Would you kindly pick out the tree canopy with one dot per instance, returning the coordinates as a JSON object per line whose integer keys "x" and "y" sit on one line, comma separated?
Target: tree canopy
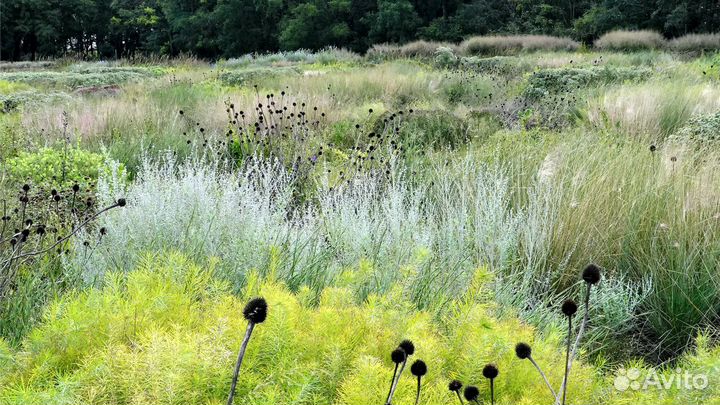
{"x": 224, "y": 28}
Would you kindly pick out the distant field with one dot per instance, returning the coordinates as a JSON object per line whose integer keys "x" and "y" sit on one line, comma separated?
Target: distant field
{"x": 446, "y": 193}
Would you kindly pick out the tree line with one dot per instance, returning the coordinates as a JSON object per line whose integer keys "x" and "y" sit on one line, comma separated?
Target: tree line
{"x": 212, "y": 29}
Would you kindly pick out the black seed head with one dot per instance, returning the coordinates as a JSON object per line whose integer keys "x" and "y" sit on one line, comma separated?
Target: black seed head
{"x": 490, "y": 371}
{"x": 523, "y": 350}
{"x": 256, "y": 310}
{"x": 569, "y": 308}
{"x": 471, "y": 393}
{"x": 103, "y": 231}
{"x": 408, "y": 347}
{"x": 398, "y": 355}
{"x": 121, "y": 202}
{"x": 591, "y": 274}
{"x": 76, "y": 188}
{"x": 454, "y": 385}
{"x": 418, "y": 368}
{"x": 26, "y": 187}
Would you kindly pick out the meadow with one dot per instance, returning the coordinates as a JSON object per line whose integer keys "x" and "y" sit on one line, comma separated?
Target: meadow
{"x": 450, "y": 194}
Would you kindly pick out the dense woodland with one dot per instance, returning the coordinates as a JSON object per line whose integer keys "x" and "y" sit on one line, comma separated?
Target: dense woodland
{"x": 211, "y": 29}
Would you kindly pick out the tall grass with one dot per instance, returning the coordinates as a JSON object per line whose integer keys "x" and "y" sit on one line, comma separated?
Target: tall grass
{"x": 695, "y": 43}
{"x": 630, "y": 41}
{"x": 510, "y": 45}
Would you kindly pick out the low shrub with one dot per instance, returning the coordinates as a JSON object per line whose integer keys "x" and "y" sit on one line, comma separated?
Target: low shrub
{"x": 168, "y": 333}
{"x": 511, "y": 45}
{"x": 630, "y": 41}
{"x": 72, "y": 80}
{"x": 253, "y": 76}
{"x": 554, "y": 81}
{"x": 445, "y": 58}
{"x": 50, "y": 167}
{"x": 700, "y": 129}
{"x": 695, "y": 43}
{"x": 13, "y": 101}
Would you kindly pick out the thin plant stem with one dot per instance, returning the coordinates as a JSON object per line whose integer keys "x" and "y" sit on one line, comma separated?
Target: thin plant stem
{"x": 417, "y": 397}
{"x": 547, "y": 382}
{"x": 567, "y": 360}
{"x": 248, "y": 332}
{"x": 392, "y": 382}
{"x": 583, "y": 325}
{"x": 492, "y": 391}
{"x": 395, "y": 383}
{"x": 460, "y": 398}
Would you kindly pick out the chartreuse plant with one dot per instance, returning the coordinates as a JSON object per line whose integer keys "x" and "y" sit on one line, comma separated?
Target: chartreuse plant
{"x": 58, "y": 167}
{"x": 168, "y": 333}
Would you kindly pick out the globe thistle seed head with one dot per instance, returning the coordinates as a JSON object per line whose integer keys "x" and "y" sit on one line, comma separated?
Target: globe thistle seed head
{"x": 471, "y": 393}
{"x": 256, "y": 310}
{"x": 523, "y": 350}
{"x": 455, "y": 386}
{"x": 408, "y": 346}
{"x": 569, "y": 308}
{"x": 418, "y": 368}
{"x": 591, "y": 274}
{"x": 398, "y": 355}
{"x": 490, "y": 371}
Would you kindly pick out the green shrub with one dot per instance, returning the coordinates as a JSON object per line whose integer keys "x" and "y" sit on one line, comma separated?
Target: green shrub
{"x": 554, "y": 81}
{"x": 72, "y": 80}
{"x": 252, "y": 76}
{"x": 445, "y": 58}
{"x": 703, "y": 128}
{"x": 10, "y": 102}
{"x": 630, "y": 41}
{"x": 51, "y": 167}
{"x": 167, "y": 333}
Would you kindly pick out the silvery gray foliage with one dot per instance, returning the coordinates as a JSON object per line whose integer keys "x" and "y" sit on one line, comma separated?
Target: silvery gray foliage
{"x": 429, "y": 236}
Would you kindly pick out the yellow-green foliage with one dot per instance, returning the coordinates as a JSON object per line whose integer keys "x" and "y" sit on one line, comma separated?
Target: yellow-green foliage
{"x": 167, "y": 333}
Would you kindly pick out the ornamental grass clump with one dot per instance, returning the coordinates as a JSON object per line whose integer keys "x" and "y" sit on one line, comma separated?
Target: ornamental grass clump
{"x": 255, "y": 312}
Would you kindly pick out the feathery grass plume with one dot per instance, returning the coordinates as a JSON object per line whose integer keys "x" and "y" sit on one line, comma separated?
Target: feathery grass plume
{"x": 408, "y": 349}
{"x": 455, "y": 386}
{"x": 398, "y": 356}
{"x": 255, "y": 312}
{"x": 524, "y": 351}
{"x": 418, "y": 369}
{"x": 591, "y": 275}
{"x": 472, "y": 393}
{"x": 490, "y": 371}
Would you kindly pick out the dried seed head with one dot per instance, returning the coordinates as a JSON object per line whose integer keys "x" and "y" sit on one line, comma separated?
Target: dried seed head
{"x": 454, "y": 385}
{"x": 256, "y": 310}
{"x": 471, "y": 393}
{"x": 398, "y": 355}
{"x": 569, "y": 308}
{"x": 490, "y": 371}
{"x": 591, "y": 274}
{"x": 121, "y": 202}
{"x": 408, "y": 347}
{"x": 523, "y": 350}
{"x": 418, "y": 368}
